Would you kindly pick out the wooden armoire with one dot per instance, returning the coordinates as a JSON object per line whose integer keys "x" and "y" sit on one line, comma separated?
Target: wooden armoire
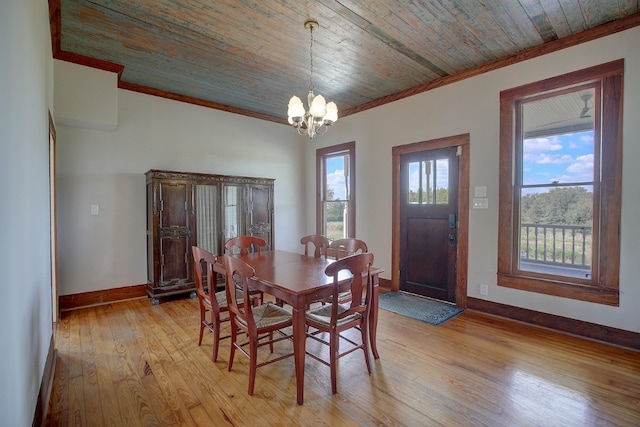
{"x": 195, "y": 209}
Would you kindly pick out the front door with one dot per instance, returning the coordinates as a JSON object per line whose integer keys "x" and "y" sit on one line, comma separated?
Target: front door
{"x": 428, "y": 222}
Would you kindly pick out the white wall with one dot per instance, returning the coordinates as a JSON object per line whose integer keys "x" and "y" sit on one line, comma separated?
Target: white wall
{"x": 472, "y": 106}
{"x": 26, "y": 304}
{"x": 85, "y": 97}
{"x": 106, "y": 168}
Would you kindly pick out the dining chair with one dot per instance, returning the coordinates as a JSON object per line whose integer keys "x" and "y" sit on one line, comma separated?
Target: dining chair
{"x": 341, "y": 248}
{"x": 318, "y": 241}
{"x": 257, "y": 322}
{"x": 336, "y": 318}
{"x": 245, "y": 243}
{"x": 209, "y": 300}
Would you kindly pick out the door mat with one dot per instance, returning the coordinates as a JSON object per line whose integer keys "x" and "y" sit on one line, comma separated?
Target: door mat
{"x": 426, "y": 310}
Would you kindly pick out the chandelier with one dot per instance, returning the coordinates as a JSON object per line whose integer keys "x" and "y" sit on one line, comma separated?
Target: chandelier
{"x": 321, "y": 115}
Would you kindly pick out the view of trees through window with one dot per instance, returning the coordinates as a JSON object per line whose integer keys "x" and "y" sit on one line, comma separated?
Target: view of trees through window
{"x": 560, "y": 181}
{"x": 556, "y": 187}
{"x": 556, "y": 227}
{"x": 428, "y": 182}
{"x": 336, "y": 191}
{"x": 571, "y": 206}
{"x": 334, "y": 215}
{"x": 442, "y": 196}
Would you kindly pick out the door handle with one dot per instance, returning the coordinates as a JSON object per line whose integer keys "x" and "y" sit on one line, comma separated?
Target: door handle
{"x": 452, "y": 239}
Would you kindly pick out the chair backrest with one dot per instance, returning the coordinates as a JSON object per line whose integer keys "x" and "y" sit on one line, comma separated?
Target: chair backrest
{"x": 320, "y": 242}
{"x": 238, "y": 275}
{"x": 359, "y": 266}
{"x": 203, "y": 262}
{"x": 245, "y": 243}
{"x": 343, "y": 247}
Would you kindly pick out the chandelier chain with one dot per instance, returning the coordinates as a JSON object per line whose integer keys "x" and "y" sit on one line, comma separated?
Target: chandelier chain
{"x": 311, "y": 60}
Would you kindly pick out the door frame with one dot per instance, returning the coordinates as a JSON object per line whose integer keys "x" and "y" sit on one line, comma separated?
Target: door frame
{"x": 463, "y": 141}
{"x": 53, "y": 221}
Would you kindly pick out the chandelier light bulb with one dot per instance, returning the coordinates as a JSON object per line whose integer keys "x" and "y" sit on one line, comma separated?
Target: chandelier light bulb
{"x": 318, "y": 108}
{"x": 332, "y": 113}
{"x": 296, "y": 110}
{"x": 321, "y": 114}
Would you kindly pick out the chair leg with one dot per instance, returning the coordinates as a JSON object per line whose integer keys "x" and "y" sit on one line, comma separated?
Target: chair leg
{"x": 216, "y": 341}
{"x": 232, "y": 353}
{"x": 333, "y": 350}
{"x": 365, "y": 342}
{"x": 253, "y": 362}
{"x": 271, "y": 343}
{"x": 201, "y": 331}
{"x": 203, "y": 320}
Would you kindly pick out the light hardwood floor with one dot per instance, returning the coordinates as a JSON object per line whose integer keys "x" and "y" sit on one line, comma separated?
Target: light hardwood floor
{"x": 134, "y": 364}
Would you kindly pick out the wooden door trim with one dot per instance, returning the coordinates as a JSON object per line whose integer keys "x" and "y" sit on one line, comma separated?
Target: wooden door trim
{"x": 53, "y": 220}
{"x": 463, "y": 141}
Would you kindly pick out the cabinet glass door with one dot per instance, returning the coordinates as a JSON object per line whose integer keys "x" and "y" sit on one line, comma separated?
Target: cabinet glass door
{"x": 207, "y": 218}
{"x": 233, "y": 221}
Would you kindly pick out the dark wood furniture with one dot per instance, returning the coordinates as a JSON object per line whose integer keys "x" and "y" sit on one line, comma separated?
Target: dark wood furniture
{"x": 319, "y": 242}
{"x": 299, "y": 280}
{"x": 342, "y": 247}
{"x": 194, "y": 209}
{"x": 257, "y": 323}
{"x": 336, "y": 318}
{"x": 211, "y": 303}
{"x": 244, "y": 244}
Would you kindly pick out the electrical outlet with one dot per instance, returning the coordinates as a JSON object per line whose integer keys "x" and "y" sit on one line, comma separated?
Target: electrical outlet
{"x": 484, "y": 289}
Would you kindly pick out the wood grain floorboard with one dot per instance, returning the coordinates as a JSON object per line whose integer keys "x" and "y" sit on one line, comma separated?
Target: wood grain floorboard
{"x": 135, "y": 364}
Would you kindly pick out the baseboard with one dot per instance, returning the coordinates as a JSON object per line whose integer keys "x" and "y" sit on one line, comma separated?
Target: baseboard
{"x": 563, "y": 324}
{"x": 384, "y": 283}
{"x": 45, "y": 386}
{"x": 105, "y": 296}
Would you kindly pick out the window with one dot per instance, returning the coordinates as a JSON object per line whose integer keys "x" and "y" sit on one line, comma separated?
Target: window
{"x": 428, "y": 182}
{"x": 560, "y": 179}
{"x": 336, "y": 195}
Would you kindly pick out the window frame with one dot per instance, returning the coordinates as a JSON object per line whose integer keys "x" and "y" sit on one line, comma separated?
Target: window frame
{"x": 322, "y": 154}
{"x": 603, "y": 286}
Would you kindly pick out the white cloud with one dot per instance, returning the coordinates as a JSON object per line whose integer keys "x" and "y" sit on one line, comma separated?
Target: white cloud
{"x": 336, "y": 182}
{"x": 582, "y": 165}
{"x": 546, "y": 158}
{"x": 537, "y": 145}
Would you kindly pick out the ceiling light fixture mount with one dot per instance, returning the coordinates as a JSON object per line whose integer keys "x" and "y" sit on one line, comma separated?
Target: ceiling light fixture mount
{"x": 321, "y": 115}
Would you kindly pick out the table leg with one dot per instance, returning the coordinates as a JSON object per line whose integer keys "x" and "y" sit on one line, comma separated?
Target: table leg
{"x": 299, "y": 341}
{"x": 373, "y": 317}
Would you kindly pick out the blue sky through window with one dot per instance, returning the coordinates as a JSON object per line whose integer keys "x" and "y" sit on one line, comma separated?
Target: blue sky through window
{"x": 561, "y": 158}
{"x": 335, "y": 176}
{"x": 441, "y": 178}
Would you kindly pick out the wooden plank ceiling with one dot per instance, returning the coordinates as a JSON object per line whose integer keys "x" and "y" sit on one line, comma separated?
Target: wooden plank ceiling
{"x": 250, "y": 57}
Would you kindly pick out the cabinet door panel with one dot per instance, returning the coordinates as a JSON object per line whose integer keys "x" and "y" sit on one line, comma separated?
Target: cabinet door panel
{"x": 173, "y": 204}
{"x": 175, "y": 234}
{"x": 259, "y": 212}
{"x": 174, "y": 269}
{"x": 260, "y": 205}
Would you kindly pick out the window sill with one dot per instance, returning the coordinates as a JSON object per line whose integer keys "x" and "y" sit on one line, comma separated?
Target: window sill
{"x": 598, "y": 295}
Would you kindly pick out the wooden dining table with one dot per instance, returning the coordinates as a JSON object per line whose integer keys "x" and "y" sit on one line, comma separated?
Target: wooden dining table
{"x": 300, "y": 280}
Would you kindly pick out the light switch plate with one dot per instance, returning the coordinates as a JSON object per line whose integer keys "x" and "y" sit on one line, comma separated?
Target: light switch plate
{"x": 95, "y": 209}
{"x": 480, "y": 191}
{"x": 480, "y": 203}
